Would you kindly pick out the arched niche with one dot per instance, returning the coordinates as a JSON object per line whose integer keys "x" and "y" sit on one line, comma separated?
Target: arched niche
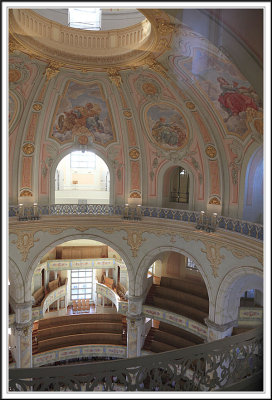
{"x": 231, "y": 289}
{"x": 109, "y": 176}
{"x": 168, "y": 182}
{"x": 253, "y": 189}
{"x": 65, "y": 238}
{"x": 155, "y": 254}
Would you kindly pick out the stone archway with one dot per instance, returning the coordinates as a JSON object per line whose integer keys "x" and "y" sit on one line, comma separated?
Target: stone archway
{"x": 234, "y": 284}
{"x": 17, "y": 284}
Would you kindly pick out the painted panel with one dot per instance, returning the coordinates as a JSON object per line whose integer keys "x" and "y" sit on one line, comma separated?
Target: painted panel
{"x": 83, "y": 110}
{"x": 135, "y": 175}
{"x": 26, "y": 172}
{"x": 214, "y": 178}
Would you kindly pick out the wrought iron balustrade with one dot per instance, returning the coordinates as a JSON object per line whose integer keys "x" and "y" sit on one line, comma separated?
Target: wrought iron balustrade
{"x": 231, "y": 224}
{"x": 205, "y": 367}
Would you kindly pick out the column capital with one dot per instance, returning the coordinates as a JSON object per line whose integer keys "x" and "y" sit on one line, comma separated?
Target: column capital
{"x": 135, "y": 320}
{"x": 220, "y": 328}
{"x": 23, "y": 329}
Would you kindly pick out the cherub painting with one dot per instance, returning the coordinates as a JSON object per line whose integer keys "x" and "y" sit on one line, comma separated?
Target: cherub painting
{"x": 83, "y": 110}
{"x": 167, "y": 127}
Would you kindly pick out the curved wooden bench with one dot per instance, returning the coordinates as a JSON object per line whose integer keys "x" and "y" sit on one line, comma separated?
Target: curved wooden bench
{"x": 181, "y": 309}
{"x": 183, "y": 297}
{"x": 76, "y": 319}
{"x": 180, "y": 332}
{"x": 172, "y": 340}
{"x": 193, "y": 287}
{"x": 73, "y": 329}
{"x": 80, "y": 339}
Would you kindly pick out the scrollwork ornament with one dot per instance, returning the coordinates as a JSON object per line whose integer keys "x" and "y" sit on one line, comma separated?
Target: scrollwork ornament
{"x": 114, "y": 76}
{"x": 156, "y": 66}
{"x": 165, "y": 27}
{"x": 25, "y": 240}
{"x": 134, "y": 240}
{"x": 52, "y": 70}
{"x": 23, "y": 330}
{"x": 213, "y": 255}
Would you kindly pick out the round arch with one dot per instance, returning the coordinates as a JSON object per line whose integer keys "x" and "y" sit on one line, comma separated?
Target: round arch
{"x": 65, "y": 238}
{"x": 17, "y": 285}
{"x": 64, "y": 154}
{"x": 165, "y": 172}
{"x": 153, "y": 255}
{"x": 233, "y": 286}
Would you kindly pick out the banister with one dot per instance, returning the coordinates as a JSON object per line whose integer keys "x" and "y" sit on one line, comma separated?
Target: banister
{"x": 205, "y": 367}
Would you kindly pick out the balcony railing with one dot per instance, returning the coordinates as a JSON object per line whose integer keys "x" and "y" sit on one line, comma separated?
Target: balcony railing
{"x": 206, "y": 367}
{"x": 231, "y": 224}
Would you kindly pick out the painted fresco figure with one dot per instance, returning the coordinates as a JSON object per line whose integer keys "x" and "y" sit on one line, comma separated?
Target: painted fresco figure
{"x": 235, "y": 99}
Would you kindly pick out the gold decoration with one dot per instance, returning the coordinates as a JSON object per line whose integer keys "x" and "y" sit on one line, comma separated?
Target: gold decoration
{"x": 127, "y": 114}
{"x": 211, "y": 151}
{"x": 163, "y": 43}
{"x": 52, "y": 70}
{"x": 134, "y": 154}
{"x": 83, "y": 139}
{"x": 24, "y": 242}
{"x": 165, "y": 27}
{"x": 190, "y": 105}
{"x": 156, "y": 66}
{"x": 214, "y": 200}
{"x": 134, "y": 240}
{"x": 213, "y": 254}
{"x": 37, "y": 107}
{"x": 14, "y": 75}
{"x": 149, "y": 88}
{"x": 28, "y": 148}
{"x": 258, "y": 124}
{"x": 135, "y": 195}
{"x": 26, "y": 193}
{"x": 114, "y": 76}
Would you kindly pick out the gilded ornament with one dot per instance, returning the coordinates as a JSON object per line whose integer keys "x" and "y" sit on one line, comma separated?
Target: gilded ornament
{"x": 163, "y": 43}
{"x": 156, "y": 66}
{"x": 214, "y": 200}
{"x": 26, "y": 193}
{"x": 83, "y": 139}
{"x": 149, "y": 88}
{"x": 127, "y": 114}
{"x": 211, "y": 151}
{"x": 213, "y": 255}
{"x": 114, "y": 76}
{"x": 134, "y": 240}
{"x": 52, "y": 70}
{"x": 14, "y": 75}
{"x": 37, "y": 107}
{"x": 28, "y": 148}
{"x": 24, "y": 242}
{"x": 134, "y": 154}
{"x": 135, "y": 195}
{"x": 258, "y": 125}
{"x": 190, "y": 105}
{"x": 165, "y": 27}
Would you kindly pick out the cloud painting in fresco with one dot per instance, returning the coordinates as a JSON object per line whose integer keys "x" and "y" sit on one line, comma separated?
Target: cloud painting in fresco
{"x": 167, "y": 127}
{"x": 83, "y": 110}
{"x": 226, "y": 87}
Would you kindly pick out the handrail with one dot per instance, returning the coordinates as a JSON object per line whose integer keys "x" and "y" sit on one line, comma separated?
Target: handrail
{"x": 205, "y": 367}
{"x": 242, "y": 227}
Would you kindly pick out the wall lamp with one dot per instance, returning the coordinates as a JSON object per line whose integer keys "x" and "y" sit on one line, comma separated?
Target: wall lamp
{"x": 207, "y": 222}
{"x": 31, "y": 213}
{"x": 132, "y": 213}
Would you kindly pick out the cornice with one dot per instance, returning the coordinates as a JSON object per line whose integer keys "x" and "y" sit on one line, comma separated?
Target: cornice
{"x": 48, "y": 43}
{"x": 214, "y": 242}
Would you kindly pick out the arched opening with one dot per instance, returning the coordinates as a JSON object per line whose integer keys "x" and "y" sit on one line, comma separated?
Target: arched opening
{"x": 253, "y": 192}
{"x": 82, "y": 178}
{"x": 177, "y": 188}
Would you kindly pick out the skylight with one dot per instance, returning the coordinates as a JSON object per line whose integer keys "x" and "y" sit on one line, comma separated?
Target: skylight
{"x": 85, "y": 18}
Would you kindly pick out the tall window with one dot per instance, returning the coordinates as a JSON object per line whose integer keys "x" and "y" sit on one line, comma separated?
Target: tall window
{"x": 191, "y": 265}
{"x": 180, "y": 186}
{"x": 82, "y": 160}
{"x": 85, "y": 18}
{"x": 81, "y": 284}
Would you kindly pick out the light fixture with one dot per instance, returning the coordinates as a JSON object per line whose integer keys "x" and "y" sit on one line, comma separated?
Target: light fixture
{"x": 207, "y": 222}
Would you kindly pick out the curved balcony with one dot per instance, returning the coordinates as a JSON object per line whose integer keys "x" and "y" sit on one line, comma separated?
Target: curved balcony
{"x": 234, "y": 363}
{"x": 244, "y": 228}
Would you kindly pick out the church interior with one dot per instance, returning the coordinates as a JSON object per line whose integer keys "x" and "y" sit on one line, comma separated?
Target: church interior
{"x": 135, "y": 185}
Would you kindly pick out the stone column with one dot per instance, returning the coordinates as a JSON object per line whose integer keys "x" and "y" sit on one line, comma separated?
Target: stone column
{"x": 216, "y": 331}
{"x": 22, "y": 331}
{"x": 135, "y": 326}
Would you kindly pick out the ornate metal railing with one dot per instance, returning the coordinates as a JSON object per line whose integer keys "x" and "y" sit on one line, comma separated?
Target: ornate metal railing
{"x": 231, "y": 224}
{"x": 206, "y": 367}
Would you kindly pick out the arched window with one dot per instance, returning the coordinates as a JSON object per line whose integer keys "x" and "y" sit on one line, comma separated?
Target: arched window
{"x": 82, "y": 178}
{"x": 179, "y": 186}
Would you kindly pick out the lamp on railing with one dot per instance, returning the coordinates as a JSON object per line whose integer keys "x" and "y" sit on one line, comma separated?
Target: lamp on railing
{"x": 35, "y": 212}
{"x": 126, "y": 212}
{"x": 21, "y": 213}
{"x": 207, "y": 223}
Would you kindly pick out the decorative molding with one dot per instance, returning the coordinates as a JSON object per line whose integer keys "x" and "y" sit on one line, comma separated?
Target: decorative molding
{"x": 127, "y": 113}
{"x": 220, "y": 328}
{"x": 114, "y": 76}
{"x": 134, "y": 154}
{"x": 37, "y": 107}
{"x": 26, "y": 193}
{"x": 156, "y": 66}
{"x": 214, "y": 200}
{"x": 213, "y": 255}
{"x": 135, "y": 195}
{"x": 211, "y": 151}
{"x": 134, "y": 240}
{"x": 190, "y": 105}
{"x": 165, "y": 27}
{"x": 25, "y": 240}
{"x": 28, "y": 148}
{"x": 52, "y": 70}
